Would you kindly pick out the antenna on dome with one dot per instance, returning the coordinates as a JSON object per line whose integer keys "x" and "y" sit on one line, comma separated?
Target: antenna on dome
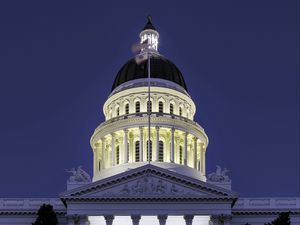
{"x": 144, "y": 50}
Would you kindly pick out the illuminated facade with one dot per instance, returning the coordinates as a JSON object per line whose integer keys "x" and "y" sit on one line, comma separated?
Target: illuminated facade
{"x": 156, "y": 176}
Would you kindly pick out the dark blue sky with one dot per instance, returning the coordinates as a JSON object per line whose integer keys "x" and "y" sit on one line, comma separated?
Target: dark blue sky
{"x": 240, "y": 60}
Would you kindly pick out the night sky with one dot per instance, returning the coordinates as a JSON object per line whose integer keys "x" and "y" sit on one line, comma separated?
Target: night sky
{"x": 240, "y": 60}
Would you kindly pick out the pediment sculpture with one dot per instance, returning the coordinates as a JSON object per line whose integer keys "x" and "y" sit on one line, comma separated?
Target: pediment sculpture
{"x": 148, "y": 186}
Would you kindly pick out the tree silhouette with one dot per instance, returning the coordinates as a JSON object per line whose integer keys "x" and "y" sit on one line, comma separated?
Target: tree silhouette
{"x": 282, "y": 219}
{"x": 46, "y": 216}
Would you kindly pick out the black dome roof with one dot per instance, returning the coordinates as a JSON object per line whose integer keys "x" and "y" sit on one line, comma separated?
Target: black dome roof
{"x": 160, "y": 68}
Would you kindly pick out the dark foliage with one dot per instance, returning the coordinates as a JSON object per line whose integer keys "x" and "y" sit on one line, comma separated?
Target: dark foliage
{"x": 282, "y": 219}
{"x": 46, "y": 216}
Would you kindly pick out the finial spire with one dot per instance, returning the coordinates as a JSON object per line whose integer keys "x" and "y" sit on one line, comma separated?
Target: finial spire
{"x": 149, "y": 25}
{"x": 149, "y": 19}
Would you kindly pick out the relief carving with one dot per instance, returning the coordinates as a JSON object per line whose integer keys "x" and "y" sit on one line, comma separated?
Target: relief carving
{"x": 149, "y": 186}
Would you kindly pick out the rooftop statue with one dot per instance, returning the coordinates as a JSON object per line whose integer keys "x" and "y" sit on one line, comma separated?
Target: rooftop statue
{"x": 219, "y": 176}
{"x": 78, "y": 175}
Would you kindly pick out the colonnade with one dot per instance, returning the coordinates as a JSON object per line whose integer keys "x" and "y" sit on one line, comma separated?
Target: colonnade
{"x": 162, "y": 219}
{"x": 130, "y": 145}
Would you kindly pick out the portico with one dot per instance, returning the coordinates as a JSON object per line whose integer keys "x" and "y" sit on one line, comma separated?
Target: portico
{"x": 148, "y": 191}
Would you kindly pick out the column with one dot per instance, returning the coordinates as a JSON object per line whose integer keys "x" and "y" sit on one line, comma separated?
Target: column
{"x": 83, "y": 220}
{"x": 214, "y": 220}
{"x": 188, "y": 219}
{"x": 162, "y": 219}
{"x": 157, "y": 143}
{"x": 72, "y": 220}
{"x": 141, "y": 145}
{"x": 102, "y": 153}
{"x": 95, "y": 151}
{"x": 202, "y": 164}
{"x": 225, "y": 219}
{"x": 172, "y": 144}
{"x": 109, "y": 219}
{"x": 195, "y": 153}
{"x": 113, "y": 151}
{"x": 185, "y": 149}
{"x": 135, "y": 219}
{"x": 126, "y": 152}
{"x": 131, "y": 147}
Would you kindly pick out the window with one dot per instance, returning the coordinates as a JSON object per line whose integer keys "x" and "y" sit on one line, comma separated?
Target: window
{"x": 137, "y": 107}
{"x": 171, "y": 108}
{"x": 180, "y": 111}
{"x": 161, "y": 151}
{"x": 99, "y": 165}
{"x": 127, "y": 108}
{"x": 118, "y": 111}
{"x": 148, "y": 150}
{"x": 160, "y": 107}
{"x": 149, "y": 106}
{"x": 180, "y": 154}
{"x": 118, "y": 154}
{"x": 137, "y": 151}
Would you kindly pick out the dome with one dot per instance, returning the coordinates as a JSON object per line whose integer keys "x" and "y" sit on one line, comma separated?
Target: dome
{"x": 161, "y": 68}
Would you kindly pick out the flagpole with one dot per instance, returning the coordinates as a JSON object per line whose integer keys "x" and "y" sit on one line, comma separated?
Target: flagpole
{"x": 149, "y": 101}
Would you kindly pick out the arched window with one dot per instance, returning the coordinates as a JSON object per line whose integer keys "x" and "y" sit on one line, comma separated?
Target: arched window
{"x": 149, "y": 106}
{"x": 160, "y": 107}
{"x": 118, "y": 154}
{"x": 180, "y": 111}
{"x": 127, "y": 108}
{"x": 148, "y": 150}
{"x": 171, "y": 108}
{"x": 118, "y": 111}
{"x": 137, "y": 151}
{"x": 161, "y": 151}
{"x": 99, "y": 165}
{"x": 187, "y": 113}
{"x": 137, "y": 107}
{"x": 180, "y": 155}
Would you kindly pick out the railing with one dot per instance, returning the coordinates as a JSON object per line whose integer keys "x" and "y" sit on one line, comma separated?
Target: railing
{"x": 29, "y": 203}
{"x": 267, "y": 203}
{"x": 153, "y": 114}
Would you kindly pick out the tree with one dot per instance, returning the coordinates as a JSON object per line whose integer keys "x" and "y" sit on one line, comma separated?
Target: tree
{"x": 282, "y": 219}
{"x": 46, "y": 216}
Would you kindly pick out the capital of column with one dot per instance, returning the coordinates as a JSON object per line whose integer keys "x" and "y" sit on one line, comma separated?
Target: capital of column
{"x": 97, "y": 144}
{"x": 214, "y": 219}
{"x": 135, "y": 219}
{"x": 188, "y": 219}
{"x": 83, "y": 220}
{"x": 225, "y": 219}
{"x": 162, "y": 219}
{"x": 72, "y": 219}
{"x": 125, "y": 130}
{"x": 157, "y": 128}
{"x": 109, "y": 219}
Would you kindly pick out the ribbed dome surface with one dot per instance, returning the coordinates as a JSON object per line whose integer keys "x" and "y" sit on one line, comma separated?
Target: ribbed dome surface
{"x": 160, "y": 68}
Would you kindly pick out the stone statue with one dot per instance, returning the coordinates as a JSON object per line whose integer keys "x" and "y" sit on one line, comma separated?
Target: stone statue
{"x": 219, "y": 176}
{"x": 78, "y": 175}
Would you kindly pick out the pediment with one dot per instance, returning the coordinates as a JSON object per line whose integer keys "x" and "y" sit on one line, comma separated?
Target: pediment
{"x": 148, "y": 182}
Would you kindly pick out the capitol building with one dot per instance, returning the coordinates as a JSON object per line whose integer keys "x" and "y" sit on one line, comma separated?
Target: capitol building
{"x": 149, "y": 160}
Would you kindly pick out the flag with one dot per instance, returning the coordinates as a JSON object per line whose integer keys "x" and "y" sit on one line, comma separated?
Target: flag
{"x": 138, "y": 47}
{"x": 141, "y": 57}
